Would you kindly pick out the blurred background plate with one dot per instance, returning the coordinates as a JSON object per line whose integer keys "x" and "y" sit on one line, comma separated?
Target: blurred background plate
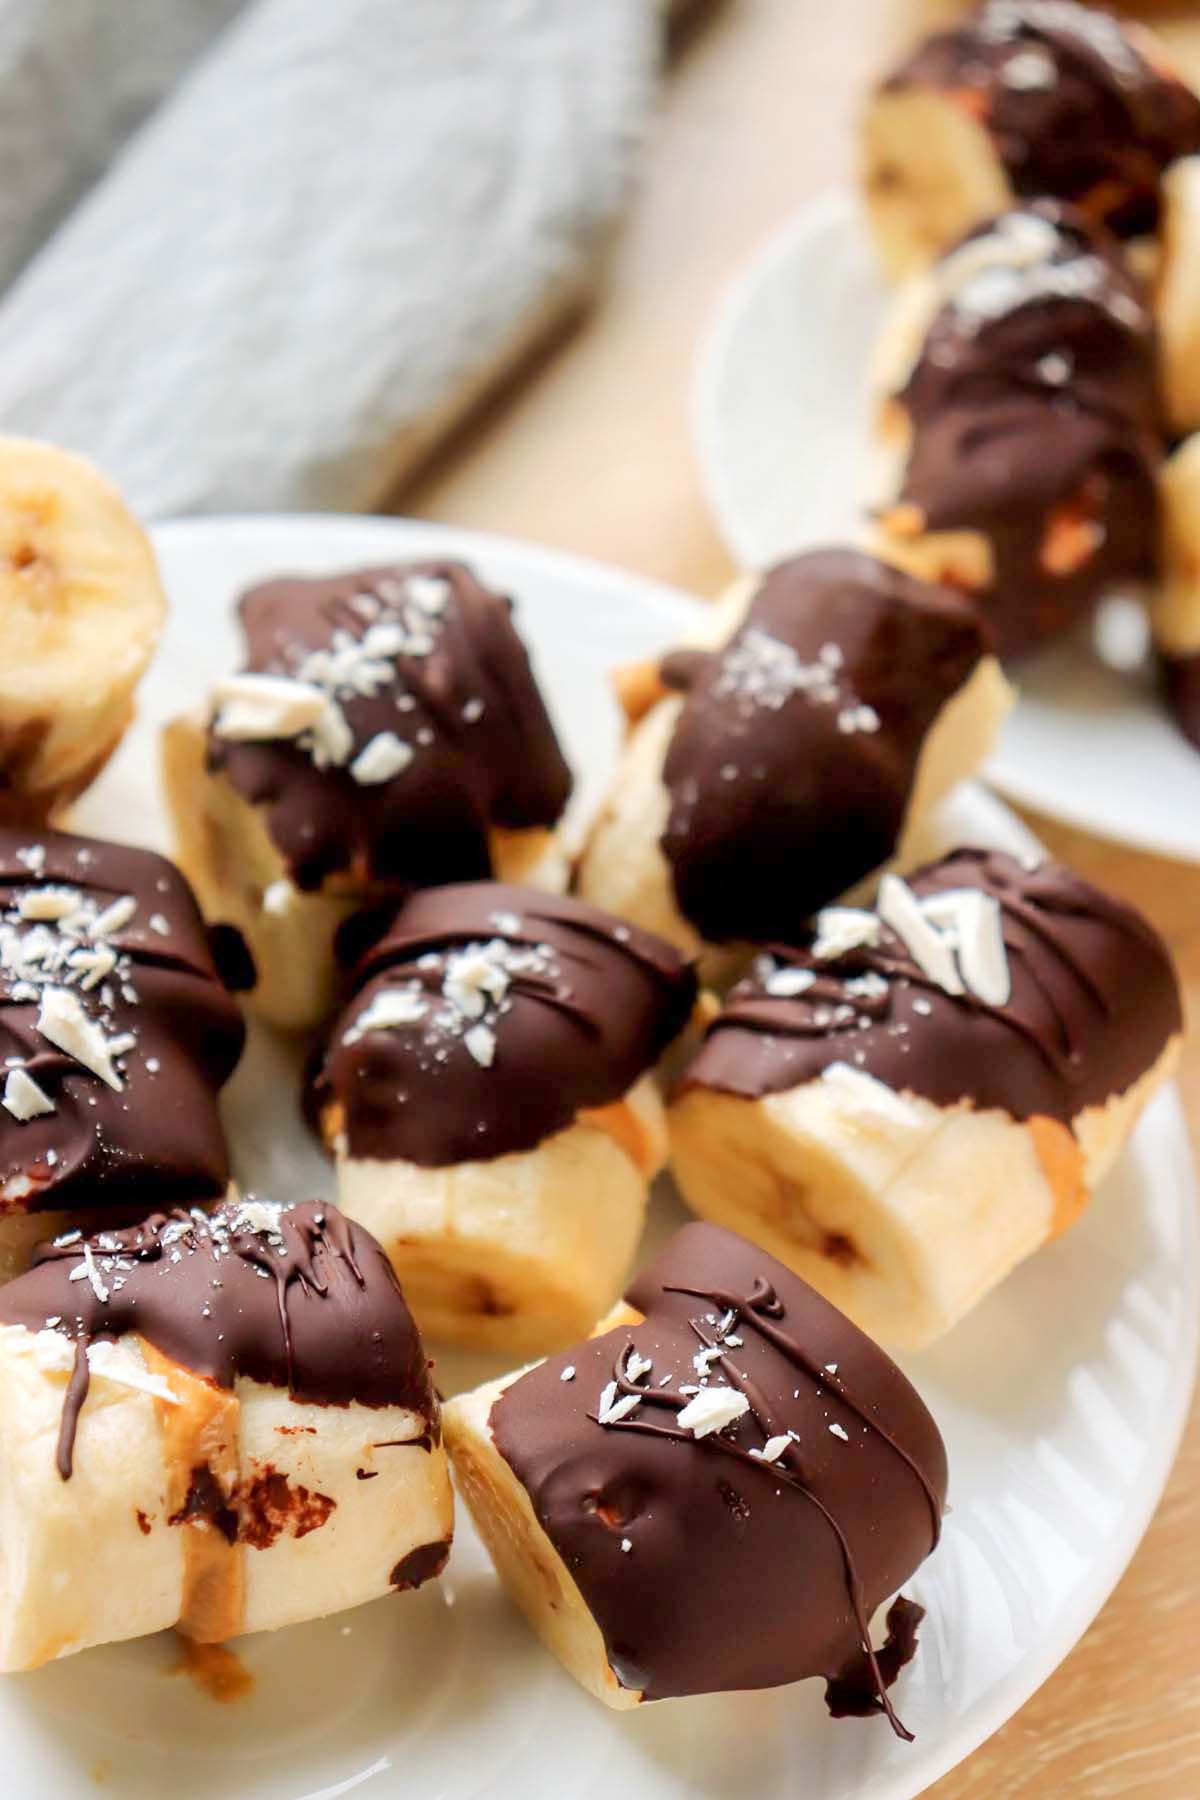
{"x": 1061, "y": 1398}
{"x": 781, "y": 413}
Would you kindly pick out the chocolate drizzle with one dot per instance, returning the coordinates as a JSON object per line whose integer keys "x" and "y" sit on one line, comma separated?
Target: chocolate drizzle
{"x": 1093, "y": 1002}
{"x": 573, "y": 1004}
{"x": 793, "y": 759}
{"x": 1034, "y": 415}
{"x": 460, "y": 696}
{"x": 672, "y": 1538}
{"x": 1075, "y": 107}
{"x": 295, "y": 1297}
{"x": 143, "y": 977}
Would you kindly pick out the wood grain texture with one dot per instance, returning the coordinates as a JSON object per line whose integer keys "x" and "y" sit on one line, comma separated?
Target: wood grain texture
{"x": 593, "y": 453}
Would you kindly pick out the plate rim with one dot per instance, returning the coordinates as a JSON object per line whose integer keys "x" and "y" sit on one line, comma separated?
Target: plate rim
{"x": 838, "y": 205}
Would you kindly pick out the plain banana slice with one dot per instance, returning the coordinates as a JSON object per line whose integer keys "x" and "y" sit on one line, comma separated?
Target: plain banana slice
{"x": 929, "y": 173}
{"x": 625, "y": 868}
{"x": 81, "y": 609}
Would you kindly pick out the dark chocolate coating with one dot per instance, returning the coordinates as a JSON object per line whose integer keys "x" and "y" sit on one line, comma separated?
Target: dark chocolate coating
{"x": 160, "y": 1140}
{"x": 775, "y": 809}
{"x": 739, "y": 1573}
{"x": 1181, "y": 685}
{"x": 328, "y": 1322}
{"x": 575, "y": 1030}
{"x": 1094, "y": 1001}
{"x": 1074, "y": 107}
{"x": 485, "y": 753}
{"x": 1035, "y": 391}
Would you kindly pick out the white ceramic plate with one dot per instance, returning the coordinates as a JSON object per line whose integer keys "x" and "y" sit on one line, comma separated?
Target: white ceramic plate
{"x": 1061, "y": 1401}
{"x": 781, "y": 417}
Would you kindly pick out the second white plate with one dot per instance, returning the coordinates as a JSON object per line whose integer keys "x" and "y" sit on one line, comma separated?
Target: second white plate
{"x": 781, "y": 422}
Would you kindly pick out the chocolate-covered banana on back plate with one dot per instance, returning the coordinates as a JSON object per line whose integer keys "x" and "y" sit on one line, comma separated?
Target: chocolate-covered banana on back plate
{"x": 1017, "y": 428}
{"x": 225, "y": 1424}
{"x": 716, "y": 1491}
{"x": 1022, "y": 99}
{"x": 916, "y": 1097}
{"x": 488, "y": 1093}
{"x": 386, "y": 734}
{"x": 766, "y": 777}
{"x": 116, "y": 1036}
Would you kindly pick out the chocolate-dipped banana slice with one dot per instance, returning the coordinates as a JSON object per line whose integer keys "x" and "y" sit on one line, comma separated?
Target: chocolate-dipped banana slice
{"x": 1175, "y": 614}
{"x": 717, "y": 1492}
{"x": 115, "y": 1033}
{"x": 1024, "y": 98}
{"x": 922, "y": 1095}
{"x": 487, "y": 1091}
{"x": 775, "y": 773}
{"x": 386, "y": 734}
{"x": 1017, "y": 427}
{"x": 223, "y": 1423}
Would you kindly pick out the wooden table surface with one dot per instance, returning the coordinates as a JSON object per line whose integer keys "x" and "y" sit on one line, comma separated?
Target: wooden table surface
{"x": 591, "y": 451}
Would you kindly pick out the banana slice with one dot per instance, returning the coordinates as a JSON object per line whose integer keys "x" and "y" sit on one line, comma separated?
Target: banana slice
{"x": 906, "y": 1110}
{"x": 81, "y": 609}
{"x": 725, "y": 1419}
{"x": 487, "y": 1093}
{"x": 1175, "y": 614}
{"x": 799, "y": 743}
{"x": 180, "y": 1489}
{"x": 929, "y": 173}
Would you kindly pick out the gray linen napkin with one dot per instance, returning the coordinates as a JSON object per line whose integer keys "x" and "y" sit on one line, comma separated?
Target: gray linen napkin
{"x": 342, "y": 225}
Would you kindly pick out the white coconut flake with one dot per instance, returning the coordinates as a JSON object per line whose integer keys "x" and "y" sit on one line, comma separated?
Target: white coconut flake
{"x": 49, "y": 903}
{"x": 773, "y": 1449}
{"x": 253, "y": 707}
{"x": 841, "y": 929}
{"x": 611, "y": 1410}
{"x": 839, "y": 1432}
{"x": 113, "y": 917}
{"x": 23, "y": 1098}
{"x": 785, "y": 984}
{"x": 636, "y": 1366}
{"x": 63, "y": 1023}
{"x": 385, "y": 757}
{"x": 390, "y": 1010}
{"x": 568, "y": 1373}
{"x": 507, "y": 922}
{"x": 712, "y": 1409}
{"x": 902, "y": 911}
{"x": 330, "y": 738}
{"x": 626, "y": 1545}
{"x": 481, "y": 1042}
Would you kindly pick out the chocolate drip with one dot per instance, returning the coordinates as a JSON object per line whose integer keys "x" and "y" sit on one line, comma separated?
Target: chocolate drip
{"x": 462, "y": 698}
{"x": 576, "y": 1003}
{"x": 1074, "y": 106}
{"x": 328, "y": 1322}
{"x": 1093, "y": 1002}
{"x": 158, "y": 1139}
{"x": 791, "y": 765}
{"x": 674, "y": 1540}
{"x": 1034, "y": 414}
